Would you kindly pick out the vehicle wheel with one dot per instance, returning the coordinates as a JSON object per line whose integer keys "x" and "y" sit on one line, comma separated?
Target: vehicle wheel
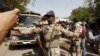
{"x": 11, "y": 47}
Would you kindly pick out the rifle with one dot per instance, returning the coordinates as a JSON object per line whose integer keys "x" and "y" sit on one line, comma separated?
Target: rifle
{"x": 44, "y": 52}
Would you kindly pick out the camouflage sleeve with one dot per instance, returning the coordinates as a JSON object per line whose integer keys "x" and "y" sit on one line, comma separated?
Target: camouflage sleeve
{"x": 69, "y": 33}
{"x": 66, "y": 32}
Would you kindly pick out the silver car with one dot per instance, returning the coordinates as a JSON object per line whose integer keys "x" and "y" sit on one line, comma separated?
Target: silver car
{"x": 21, "y": 33}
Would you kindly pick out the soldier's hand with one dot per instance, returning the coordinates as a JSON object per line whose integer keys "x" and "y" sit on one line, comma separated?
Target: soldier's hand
{"x": 34, "y": 30}
{"x": 59, "y": 28}
{"x": 8, "y": 19}
{"x": 45, "y": 30}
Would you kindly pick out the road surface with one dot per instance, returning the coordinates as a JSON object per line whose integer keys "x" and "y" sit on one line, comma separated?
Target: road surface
{"x": 4, "y": 51}
{"x": 30, "y": 50}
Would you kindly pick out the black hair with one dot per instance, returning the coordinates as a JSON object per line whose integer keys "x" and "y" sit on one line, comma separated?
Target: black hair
{"x": 50, "y": 13}
{"x": 97, "y": 21}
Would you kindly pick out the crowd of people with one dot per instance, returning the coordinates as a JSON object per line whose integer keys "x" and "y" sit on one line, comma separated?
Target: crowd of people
{"x": 79, "y": 33}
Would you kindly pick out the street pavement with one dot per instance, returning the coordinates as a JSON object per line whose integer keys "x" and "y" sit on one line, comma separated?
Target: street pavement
{"x": 4, "y": 51}
{"x": 29, "y": 50}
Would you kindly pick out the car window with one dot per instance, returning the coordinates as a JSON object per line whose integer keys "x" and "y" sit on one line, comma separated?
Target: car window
{"x": 28, "y": 20}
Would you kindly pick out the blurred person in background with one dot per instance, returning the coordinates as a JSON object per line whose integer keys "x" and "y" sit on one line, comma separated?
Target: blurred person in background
{"x": 94, "y": 34}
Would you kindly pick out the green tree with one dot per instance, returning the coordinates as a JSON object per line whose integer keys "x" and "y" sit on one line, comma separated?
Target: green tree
{"x": 21, "y": 4}
{"x": 97, "y": 9}
{"x": 81, "y": 14}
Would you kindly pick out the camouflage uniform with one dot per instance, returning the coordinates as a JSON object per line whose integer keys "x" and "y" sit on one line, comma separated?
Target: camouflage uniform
{"x": 75, "y": 48}
{"x": 77, "y": 40}
{"x": 52, "y": 41}
{"x": 50, "y": 34}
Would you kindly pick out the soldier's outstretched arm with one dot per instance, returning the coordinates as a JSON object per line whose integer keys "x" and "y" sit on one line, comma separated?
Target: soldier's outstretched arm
{"x": 67, "y": 32}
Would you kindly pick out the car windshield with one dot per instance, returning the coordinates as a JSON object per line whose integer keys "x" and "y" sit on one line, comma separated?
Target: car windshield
{"x": 27, "y": 20}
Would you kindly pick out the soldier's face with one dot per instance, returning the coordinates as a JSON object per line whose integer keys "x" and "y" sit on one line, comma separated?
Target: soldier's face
{"x": 51, "y": 19}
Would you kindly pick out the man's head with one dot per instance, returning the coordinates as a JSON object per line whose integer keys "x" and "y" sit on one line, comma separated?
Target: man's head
{"x": 50, "y": 15}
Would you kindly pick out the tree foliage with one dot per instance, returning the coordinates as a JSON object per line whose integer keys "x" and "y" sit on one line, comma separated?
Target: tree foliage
{"x": 85, "y": 13}
{"x": 97, "y": 9}
{"x": 81, "y": 14}
{"x": 21, "y": 4}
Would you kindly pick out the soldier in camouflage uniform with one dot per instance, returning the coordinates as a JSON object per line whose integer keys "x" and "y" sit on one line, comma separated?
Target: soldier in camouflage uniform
{"x": 51, "y": 35}
{"x": 75, "y": 39}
